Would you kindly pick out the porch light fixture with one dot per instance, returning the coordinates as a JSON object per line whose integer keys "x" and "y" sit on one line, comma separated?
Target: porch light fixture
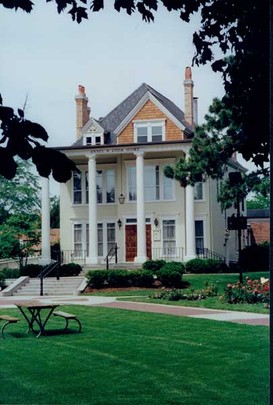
{"x": 156, "y": 222}
{"x": 121, "y": 199}
{"x": 119, "y": 223}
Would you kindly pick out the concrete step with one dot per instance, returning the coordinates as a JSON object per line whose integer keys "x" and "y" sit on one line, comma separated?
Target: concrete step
{"x": 51, "y": 286}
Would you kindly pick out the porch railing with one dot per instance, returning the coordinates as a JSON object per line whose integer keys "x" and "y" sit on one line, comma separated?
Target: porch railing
{"x": 168, "y": 254}
{"x": 73, "y": 256}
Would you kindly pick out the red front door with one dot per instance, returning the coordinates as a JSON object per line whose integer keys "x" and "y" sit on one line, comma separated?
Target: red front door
{"x": 131, "y": 242}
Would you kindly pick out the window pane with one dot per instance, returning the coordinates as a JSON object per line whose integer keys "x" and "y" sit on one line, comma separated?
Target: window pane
{"x": 149, "y": 183}
{"x": 77, "y": 239}
{"x": 100, "y": 239}
{"x": 142, "y": 134}
{"x": 156, "y": 133}
{"x": 111, "y": 236}
{"x": 167, "y": 188}
{"x": 132, "y": 183}
{"x": 86, "y": 188}
{"x": 169, "y": 242}
{"x": 99, "y": 186}
{"x": 77, "y": 188}
{"x": 199, "y": 235}
{"x": 198, "y": 191}
{"x": 110, "y": 186}
{"x": 87, "y": 239}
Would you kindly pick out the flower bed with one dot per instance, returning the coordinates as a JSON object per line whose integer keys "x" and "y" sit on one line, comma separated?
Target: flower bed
{"x": 250, "y": 292}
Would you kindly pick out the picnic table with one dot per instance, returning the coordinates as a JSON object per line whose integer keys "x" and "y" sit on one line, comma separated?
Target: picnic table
{"x": 32, "y": 312}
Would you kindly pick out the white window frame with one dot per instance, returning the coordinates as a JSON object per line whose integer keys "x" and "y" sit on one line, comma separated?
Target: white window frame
{"x": 203, "y": 219}
{"x": 91, "y": 139}
{"x": 84, "y": 186}
{"x": 105, "y": 242}
{"x": 202, "y": 185}
{"x": 149, "y": 124}
{"x": 161, "y": 184}
{"x": 174, "y": 253}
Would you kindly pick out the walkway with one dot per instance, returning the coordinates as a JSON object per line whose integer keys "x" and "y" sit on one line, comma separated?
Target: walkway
{"x": 111, "y": 302}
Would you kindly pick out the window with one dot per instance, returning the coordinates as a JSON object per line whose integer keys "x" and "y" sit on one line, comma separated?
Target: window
{"x": 78, "y": 239}
{"x": 94, "y": 139}
{"x": 105, "y": 187}
{"x": 199, "y": 235}
{"x": 149, "y": 131}
{"x": 77, "y": 188}
{"x": 198, "y": 191}
{"x": 156, "y": 186}
{"x": 106, "y": 238}
{"x": 169, "y": 242}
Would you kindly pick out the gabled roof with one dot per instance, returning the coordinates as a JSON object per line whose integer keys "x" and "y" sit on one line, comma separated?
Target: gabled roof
{"x": 115, "y": 117}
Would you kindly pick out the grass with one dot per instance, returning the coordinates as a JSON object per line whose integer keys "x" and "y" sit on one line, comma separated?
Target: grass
{"x": 131, "y": 358}
{"x": 197, "y": 281}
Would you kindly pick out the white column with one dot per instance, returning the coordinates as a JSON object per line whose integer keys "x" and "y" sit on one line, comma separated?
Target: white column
{"x": 190, "y": 224}
{"x": 46, "y": 255}
{"x": 141, "y": 226}
{"x": 92, "y": 255}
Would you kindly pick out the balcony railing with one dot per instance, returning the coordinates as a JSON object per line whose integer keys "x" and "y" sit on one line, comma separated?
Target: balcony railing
{"x": 168, "y": 254}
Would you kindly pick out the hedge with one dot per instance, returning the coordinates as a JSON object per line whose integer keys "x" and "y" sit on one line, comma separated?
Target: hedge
{"x": 199, "y": 266}
{"x": 119, "y": 278}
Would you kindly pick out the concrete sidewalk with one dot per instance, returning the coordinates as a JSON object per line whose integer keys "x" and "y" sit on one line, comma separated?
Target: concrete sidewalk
{"x": 111, "y": 302}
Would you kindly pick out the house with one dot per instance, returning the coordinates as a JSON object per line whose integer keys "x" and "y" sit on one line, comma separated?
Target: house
{"x": 258, "y": 222}
{"x": 120, "y": 196}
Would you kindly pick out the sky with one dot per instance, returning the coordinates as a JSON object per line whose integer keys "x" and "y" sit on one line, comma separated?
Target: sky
{"x": 45, "y": 56}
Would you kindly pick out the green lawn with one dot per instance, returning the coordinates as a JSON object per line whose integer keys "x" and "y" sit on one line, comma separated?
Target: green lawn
{"x": 132, "y": 358}
{"x": 197, "y": 281}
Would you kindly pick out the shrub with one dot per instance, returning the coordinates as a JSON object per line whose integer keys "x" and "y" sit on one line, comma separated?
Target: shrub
{"x": 118, "y": 278}
{"x": 31, "y": 270}
{"x": 70, "y": 269}
{"x": 169, "y": 278}
{"x": 2, "y": 281}
{"x": 255, "y": 257}
{"x": 153, "y": 265}
{"x": 10, "y": 273}
{"x": 142, "y": 278}
{"x": 200, "y": 266}
{"x": 96, "y": 278}
{"x": 174, "y": 266}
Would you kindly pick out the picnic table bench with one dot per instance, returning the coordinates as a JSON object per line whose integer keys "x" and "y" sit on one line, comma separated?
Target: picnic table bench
{"x": 67, "y": 318}
{"x": 8, "y": 319}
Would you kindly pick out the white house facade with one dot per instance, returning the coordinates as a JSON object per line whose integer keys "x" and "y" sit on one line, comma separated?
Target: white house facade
{"x": 120, "y": 196}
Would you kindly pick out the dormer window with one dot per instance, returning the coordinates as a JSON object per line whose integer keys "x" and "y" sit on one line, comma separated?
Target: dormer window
{"x": 95, "y": 139}
{"x": 149, "y": 131}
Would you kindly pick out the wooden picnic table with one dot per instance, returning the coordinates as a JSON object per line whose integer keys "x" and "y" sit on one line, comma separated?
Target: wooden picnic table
{"x": 32, "y": 312}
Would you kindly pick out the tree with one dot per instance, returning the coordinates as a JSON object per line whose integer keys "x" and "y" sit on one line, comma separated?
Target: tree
{"x": 239, "y": 29}
{"x": 18, "y": 238}
{"x": 55, "y": 212}
{"x": 22, "y": 194}
{"x": 261, "y": 198}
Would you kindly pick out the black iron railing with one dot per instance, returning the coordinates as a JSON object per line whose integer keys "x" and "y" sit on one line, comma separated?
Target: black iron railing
{"x": 204, "y": 253}
{"x": 48, "y": 269}
{"x": 113, "y": 252}
{"x": 73, "y": 256}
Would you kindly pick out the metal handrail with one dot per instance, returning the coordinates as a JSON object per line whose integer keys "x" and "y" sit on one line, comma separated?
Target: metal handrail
{"x": 112, "y": 252}
{"x": 48, "y": 269}
{"x": 209, "y": 254}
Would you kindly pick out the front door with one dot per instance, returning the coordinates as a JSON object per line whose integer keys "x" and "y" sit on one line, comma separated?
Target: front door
{"x": 131, "y": 242}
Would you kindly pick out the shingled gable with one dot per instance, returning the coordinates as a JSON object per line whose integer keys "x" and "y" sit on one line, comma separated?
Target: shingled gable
{"x": 114, "y": 120}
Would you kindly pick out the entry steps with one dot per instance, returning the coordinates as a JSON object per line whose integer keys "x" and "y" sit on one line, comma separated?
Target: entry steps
{"x": 51, "y": 286}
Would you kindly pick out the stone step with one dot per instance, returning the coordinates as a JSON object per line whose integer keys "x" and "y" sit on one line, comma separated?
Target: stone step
{"x": 51, "y": 286}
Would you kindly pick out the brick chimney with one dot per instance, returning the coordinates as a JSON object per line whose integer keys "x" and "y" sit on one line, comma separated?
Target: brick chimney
{"x": 82, "y": 110}
{"x": 188, "y": 96}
